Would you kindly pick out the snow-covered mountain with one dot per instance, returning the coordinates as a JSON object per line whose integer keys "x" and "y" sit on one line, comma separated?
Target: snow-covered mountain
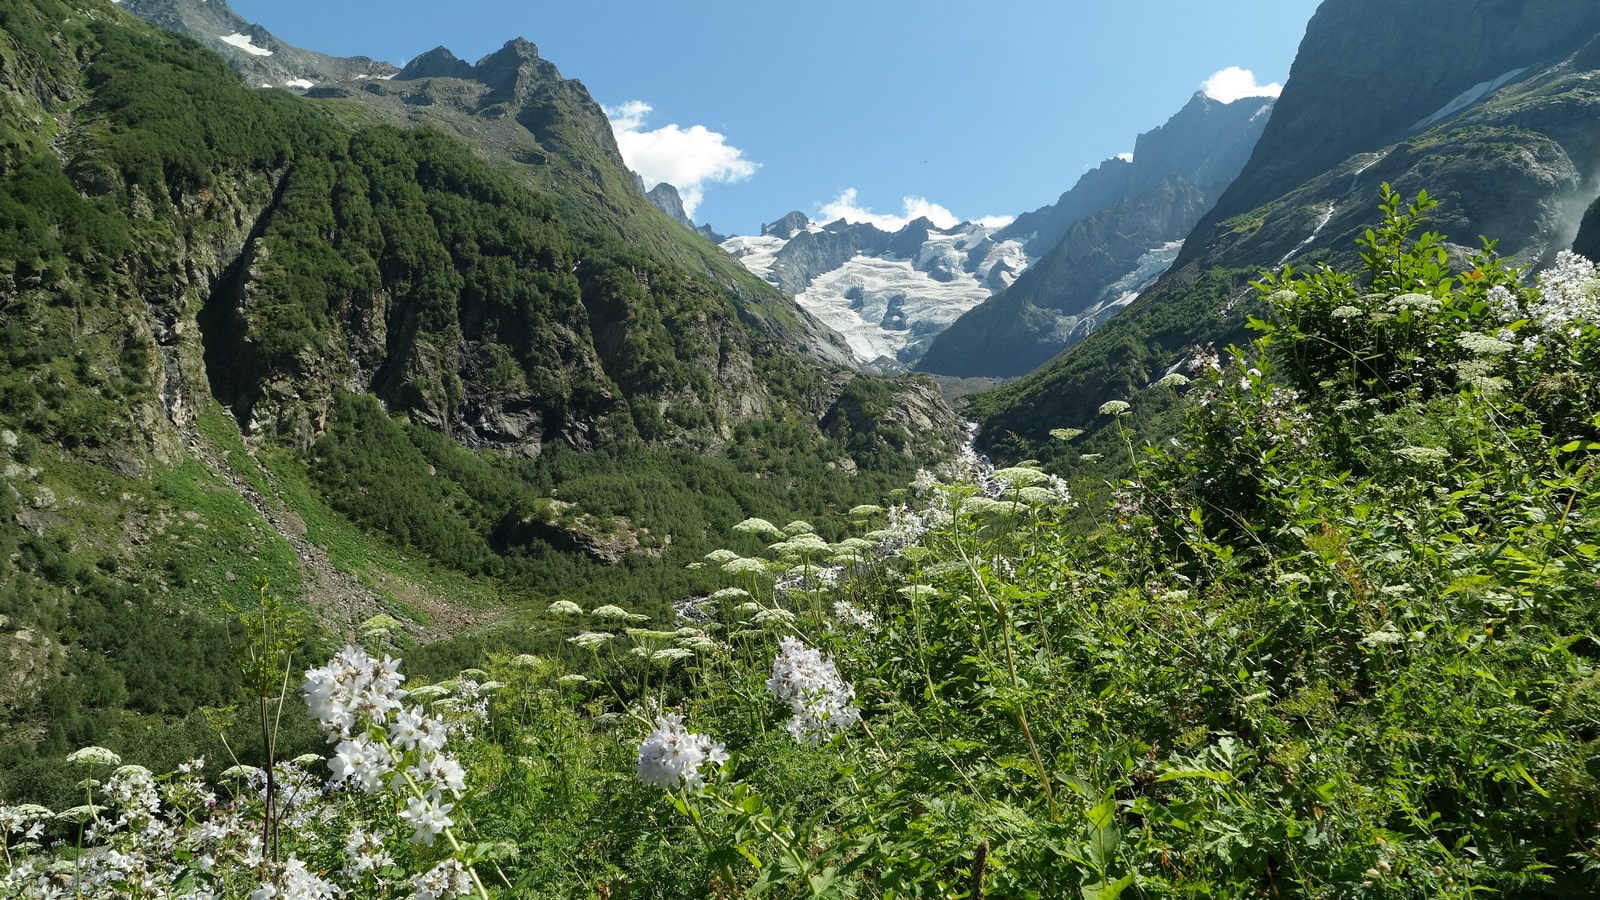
{"x": 888, "y": 293}
{"x": 942, "y": 300}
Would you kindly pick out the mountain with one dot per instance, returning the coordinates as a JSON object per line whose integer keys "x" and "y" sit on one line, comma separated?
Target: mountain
{"x": 517, "y": 111}
{"x": 258, "y": 56}
{"x": 1104, "y": 241}
{"x": 253, "y": 347}
{"x": 943, "y": 300}
{"x": 1493, "y": 115}
{"x": 888, "y": 293}
{"x": 667, "y": 199}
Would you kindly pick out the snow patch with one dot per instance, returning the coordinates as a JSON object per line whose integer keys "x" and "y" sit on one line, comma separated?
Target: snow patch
{"x": 756, "y": 253}
{"x": 303, "y": 84}
{"x": 244, "y": 42}
{"x": 1468, "y": 97}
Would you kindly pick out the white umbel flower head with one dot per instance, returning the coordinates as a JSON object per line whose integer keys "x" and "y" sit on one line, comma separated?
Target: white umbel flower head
{"x": 672, "y": 756}
{"x": 822, "y": 702}
{"x": 1115, "y": 408}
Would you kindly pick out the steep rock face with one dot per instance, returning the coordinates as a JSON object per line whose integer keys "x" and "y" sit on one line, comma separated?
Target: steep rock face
{"x": 1495, "y": 118}
{"x": 1100, "y": 265}
{"x": 667, "y": 199}
{"x": 1206, "y": 143}
{"x": 1363, "y": 79}
{"x": 260, "y": 58}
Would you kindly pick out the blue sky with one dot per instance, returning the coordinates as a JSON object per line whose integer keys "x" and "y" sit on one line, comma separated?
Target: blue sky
{"x": 981, "y": 109}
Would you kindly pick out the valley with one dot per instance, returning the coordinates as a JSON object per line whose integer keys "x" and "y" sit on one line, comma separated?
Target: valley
{"x": 405, "y": 496}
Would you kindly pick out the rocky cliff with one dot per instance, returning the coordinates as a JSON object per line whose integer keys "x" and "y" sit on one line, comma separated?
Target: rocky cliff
{"x": 259, "y": 56}
{"x": 1493, "y": 114}
{"x": 1099, "y": 266}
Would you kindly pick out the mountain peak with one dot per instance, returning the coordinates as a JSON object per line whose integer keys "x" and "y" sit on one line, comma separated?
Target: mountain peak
{"x": 788, "y": 226}
{"x": 513, "y": 70}
{"x": 436, "y": 63}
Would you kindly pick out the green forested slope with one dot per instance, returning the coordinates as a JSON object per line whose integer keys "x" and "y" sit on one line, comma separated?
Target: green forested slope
{"x": 247, "y": 341}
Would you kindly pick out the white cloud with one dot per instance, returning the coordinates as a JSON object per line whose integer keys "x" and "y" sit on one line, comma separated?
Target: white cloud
{"x": 847, "y": 206}
{"x": 686, "y": 158}
{"x": 1234, "y": 83}
{"x": 1125, "y": 157}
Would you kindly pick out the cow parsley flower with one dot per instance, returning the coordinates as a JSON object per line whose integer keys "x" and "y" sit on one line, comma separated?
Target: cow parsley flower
{"x": 1115, "y": 408}
{"x": 672, "y": 756}
{"x": 822, "y": 702}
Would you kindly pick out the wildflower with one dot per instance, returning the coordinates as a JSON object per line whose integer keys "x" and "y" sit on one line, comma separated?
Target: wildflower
{"x": 865, "y": 510}
{"x": 822, "y": 702}
{"x": 847, "y": 613}
{"x": 1065, "y": 434}
{"x": 564, "y": 608}
{"x": 1115, "y": 408}
{"x": 672, "y": 757}
{"x": 924, "y": 481}
{"x": 744, "y": 566}
{"x": 1345, "y": 312}
{"x": 364, "y": 852}
{"x": 1021, "y": 476}
{"x": 589, "y": 639}
{"x": 573, "y": 679}
{"x": 94, "y": 756}
{"x": 525, "y": 660}
{"x": 670, "y": 654}
{"x": 918, "y": 591}
{"x": 609, "y": 611}
{"x": 1173, "y": 380}
{"x": 774, "y": 617}
{"x": 427, "y": 818}
{"x": 721, "y": 555}
{"x": 798, "y": 526}
{"x": 353, "y": 687}
{"x": 447, "y": 880}
{"x": 295, "y": 882}
{"x": 730, "y": 593}
{"x": 756, "y": 526}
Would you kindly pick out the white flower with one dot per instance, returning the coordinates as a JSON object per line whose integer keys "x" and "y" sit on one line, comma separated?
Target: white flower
{"x": 364, "y": 852}
{"x": 823, "y": 703}
{"x": 672, "y": 757}
{"x": 296, "y": 882}
{"x": 755, "y": 526}
{"x": 352, "y": 690}
{"x": 847, "y": 613}
{"x": 564, "y": 608}
{"x": 94, "y": 756}
{"x": 427, "y": 818}
{"x": 589, "y": 639}
{"x": 447, "y": 880}
{"x": 1114, "y": 408}
{"x": 609, "y": 611}
{"x": 744, "y": 567}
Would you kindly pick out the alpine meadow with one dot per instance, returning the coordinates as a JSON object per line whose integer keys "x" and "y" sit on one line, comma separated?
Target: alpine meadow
{"x": 403, "y": 498}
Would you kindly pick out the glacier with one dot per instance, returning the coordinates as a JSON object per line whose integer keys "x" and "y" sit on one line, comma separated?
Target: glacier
{"x": 888, "y": 307}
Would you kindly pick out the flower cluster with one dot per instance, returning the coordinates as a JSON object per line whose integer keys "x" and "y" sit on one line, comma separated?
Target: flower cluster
{"x": 357, "y": 700}
{"x": 822, "y": 702}
{"x": 847, "y": 613}
{"x": 672, "y": 756}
